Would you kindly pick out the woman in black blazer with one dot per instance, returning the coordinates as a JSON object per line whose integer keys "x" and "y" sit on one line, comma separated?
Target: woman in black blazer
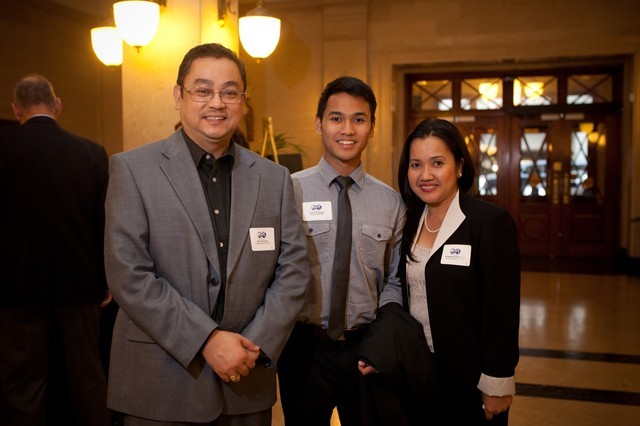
{"x": 461, "y": 276}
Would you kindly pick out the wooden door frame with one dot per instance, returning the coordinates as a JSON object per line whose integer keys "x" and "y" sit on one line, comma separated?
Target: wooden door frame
{"x": 509, "y": 160}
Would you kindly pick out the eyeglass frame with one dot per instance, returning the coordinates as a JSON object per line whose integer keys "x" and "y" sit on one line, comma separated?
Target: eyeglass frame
{"x": 243, "y": 95}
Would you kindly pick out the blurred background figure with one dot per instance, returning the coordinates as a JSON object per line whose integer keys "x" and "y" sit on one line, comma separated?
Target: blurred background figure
{"x": 52, "y": 186}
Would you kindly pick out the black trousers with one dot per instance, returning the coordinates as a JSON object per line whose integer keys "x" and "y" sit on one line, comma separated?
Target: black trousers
{"x": 49, "y": 357}
{"x": 261, "y": 418}
{"x": 317, "y": 375}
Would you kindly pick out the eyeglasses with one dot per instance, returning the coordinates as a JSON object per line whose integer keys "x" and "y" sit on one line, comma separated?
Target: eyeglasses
{"x": 204, "y": 94}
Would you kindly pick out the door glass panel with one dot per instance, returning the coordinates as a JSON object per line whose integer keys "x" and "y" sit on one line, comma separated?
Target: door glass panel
{"x": 481, "y": 94}
{"x": 533, "y": 162}
{"x": 588, "y": 143}
{"x": 485, "y": 145}
{"x": 589, "y": 89}
{"x": 432, "y": 95}
{"x": 538, "y": 90}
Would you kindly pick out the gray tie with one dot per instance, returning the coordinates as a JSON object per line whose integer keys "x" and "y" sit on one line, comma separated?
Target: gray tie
{"x": 341, "y": 260}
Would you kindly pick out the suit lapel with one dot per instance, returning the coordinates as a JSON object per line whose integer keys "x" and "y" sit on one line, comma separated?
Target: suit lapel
{"x": 178, "y": 166}
{"x": 452, "y": 221}
{"x": 245, "y": 186}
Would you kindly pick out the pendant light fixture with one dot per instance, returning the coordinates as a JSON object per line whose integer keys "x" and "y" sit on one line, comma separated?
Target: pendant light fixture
{"x": 259, "y": 32}
{"x": 137, "y": 21}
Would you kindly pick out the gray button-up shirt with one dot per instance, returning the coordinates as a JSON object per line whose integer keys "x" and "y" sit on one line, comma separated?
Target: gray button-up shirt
{"x": 378, "y": 217}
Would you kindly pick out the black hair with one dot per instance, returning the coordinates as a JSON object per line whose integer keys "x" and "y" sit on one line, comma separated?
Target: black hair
{"x": 209, "y": 50}
{"x": 453, "y": 139}
{"x": 352, "y": 86}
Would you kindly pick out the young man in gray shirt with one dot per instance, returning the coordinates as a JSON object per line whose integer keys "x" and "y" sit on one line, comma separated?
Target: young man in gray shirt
{"x": 318, "y": 370}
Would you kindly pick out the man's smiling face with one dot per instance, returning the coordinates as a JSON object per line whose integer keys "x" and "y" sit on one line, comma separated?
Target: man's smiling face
{"x": 210, "y": 124}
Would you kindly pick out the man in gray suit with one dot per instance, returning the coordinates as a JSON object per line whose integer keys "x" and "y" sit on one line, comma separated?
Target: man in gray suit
{"x": 206, "y": 256}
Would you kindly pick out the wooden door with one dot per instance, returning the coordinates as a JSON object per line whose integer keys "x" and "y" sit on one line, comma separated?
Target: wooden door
{"x": 567, "y": 193}
{"x": 488, "y": 142}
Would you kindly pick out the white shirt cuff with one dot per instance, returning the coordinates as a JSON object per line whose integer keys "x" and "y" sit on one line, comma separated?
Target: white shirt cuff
{"x": 497, "y": 386}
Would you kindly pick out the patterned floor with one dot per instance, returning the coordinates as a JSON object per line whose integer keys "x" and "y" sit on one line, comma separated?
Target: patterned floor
{"x": 580, "y": 351}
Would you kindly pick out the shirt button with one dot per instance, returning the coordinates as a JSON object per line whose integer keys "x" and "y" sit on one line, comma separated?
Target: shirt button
{"x": 221, "y": 244}
{"x": 214, "y": 180}
{"x": 216, "y": 211}
{"x": 214, "y": 282}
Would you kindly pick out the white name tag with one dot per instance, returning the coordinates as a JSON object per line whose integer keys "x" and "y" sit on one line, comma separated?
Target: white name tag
{"x": 456, "y": 254}
{"x": 316, "y": 210}
{"x": 262, "y": 239}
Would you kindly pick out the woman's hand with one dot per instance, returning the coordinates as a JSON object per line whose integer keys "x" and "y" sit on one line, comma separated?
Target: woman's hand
{"x": 493, "y": 405}
{"x": 366, "y": 368}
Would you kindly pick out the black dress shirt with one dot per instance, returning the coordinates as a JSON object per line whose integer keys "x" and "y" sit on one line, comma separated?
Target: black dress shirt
{"x": 215, "y": 176}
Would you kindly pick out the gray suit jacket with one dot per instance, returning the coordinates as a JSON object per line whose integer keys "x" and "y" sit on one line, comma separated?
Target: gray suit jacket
{"x": 161, "y": 259}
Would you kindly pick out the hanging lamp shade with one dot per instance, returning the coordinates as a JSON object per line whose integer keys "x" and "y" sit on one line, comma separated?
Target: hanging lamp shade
{"x": 107, "y": 45}
{"x": 259, "y": 32}
{"x": 137, "y": 21}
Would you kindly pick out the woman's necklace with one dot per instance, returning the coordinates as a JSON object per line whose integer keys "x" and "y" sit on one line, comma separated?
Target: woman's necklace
{"x": 429, "y": 230}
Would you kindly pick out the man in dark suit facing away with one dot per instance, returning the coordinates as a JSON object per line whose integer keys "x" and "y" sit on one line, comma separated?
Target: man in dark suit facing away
{"x": 52, "y": 191}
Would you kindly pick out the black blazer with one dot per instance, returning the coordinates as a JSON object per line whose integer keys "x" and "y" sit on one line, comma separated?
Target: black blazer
{"x": 52, "y": 190}
{"x": 474, "y": 310}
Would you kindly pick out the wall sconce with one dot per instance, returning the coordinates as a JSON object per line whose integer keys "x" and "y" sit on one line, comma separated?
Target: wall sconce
{"x": 107, "y": 45}
{"x": 224, "y": 8}
{"x": 137, "y": 21}
{"x": 259, "y": 32}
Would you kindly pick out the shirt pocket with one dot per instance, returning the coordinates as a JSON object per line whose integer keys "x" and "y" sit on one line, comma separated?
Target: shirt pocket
{"x": 319, "y": 242}
{"x": 373, "y": 244}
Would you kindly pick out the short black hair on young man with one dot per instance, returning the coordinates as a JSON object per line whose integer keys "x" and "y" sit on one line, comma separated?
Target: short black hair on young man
{"x": 352, "y": 86}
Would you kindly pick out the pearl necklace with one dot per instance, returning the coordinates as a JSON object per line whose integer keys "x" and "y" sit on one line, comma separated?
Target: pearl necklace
{"x": 429, "y": 230}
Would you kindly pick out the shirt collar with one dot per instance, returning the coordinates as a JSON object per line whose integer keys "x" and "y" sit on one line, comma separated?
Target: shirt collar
{"x": 198, "y": 154}
{"x": 328, "y": 174}
{"x": 42, "y": 115}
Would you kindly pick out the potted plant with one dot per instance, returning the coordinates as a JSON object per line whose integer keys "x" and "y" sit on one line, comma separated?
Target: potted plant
{"x": 291, "y": 159}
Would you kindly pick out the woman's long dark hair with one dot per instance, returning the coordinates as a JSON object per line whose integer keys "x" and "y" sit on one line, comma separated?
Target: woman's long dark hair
{"x": 452, "y": 137}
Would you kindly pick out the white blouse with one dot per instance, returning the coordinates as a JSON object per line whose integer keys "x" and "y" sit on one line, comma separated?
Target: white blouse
{"x": 418, "y": 290}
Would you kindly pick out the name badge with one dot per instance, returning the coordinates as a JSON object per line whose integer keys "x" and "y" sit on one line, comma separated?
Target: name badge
{"x": 262, "y": 239}
{"x": 456, "y": 254}
{"x": 316, "y": 210}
